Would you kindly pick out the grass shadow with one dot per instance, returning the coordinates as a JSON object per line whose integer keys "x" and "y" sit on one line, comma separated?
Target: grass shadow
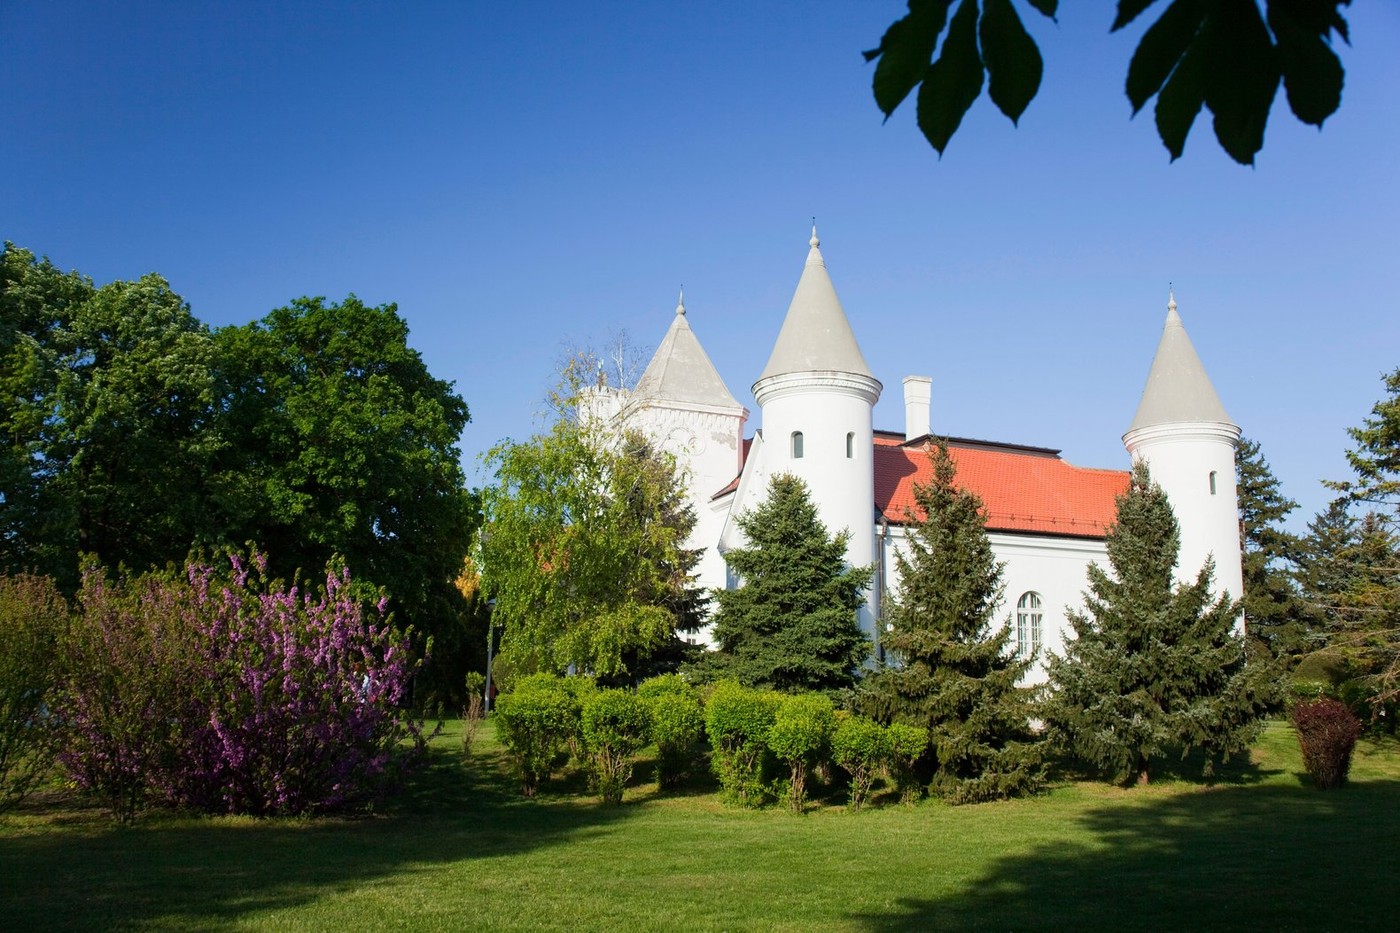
{"x": 65, "y": 866}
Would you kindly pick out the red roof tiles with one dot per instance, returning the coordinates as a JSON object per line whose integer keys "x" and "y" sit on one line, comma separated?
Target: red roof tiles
{"x": 1023, "y": 490}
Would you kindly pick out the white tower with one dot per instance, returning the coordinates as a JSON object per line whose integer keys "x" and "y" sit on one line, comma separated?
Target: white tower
{"x": 1188, "y": 442}
{"x": 816, "y": 394}
{"x": 681, "y": 402}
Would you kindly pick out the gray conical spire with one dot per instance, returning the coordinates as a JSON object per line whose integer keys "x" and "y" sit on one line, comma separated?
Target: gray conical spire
{"x": 1178, "y": 389}
{"x": 681, "y": 371}
{"x": 816, "y": 336}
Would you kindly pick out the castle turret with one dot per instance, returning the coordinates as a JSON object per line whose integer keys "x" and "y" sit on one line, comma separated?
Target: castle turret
{"x": 683, "y": 404}
{"x": 1188, "y": 442}
{"x": 817, "y": 396}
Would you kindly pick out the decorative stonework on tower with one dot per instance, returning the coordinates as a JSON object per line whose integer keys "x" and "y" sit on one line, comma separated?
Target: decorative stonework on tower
{"x": 1182, "y": 432}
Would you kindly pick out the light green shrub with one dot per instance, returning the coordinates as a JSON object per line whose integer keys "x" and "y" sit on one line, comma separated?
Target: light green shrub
{"x": 535, "y": 722}
{"x": 33, "y": 618}
{"x": 737, "y": 720}
{"x": 800, "y": 736}
{"x": 907, "y": 744}
{"x": 616, "y": 724}
{"x": 677, "y": 725}
{"x": 862, "y": 747}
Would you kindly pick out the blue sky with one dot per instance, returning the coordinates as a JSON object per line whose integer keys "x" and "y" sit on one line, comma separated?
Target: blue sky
{"x": 517, "y": 176}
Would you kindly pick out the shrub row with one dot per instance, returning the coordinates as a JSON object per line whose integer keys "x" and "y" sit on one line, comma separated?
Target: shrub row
{"x": 762, "y": 744}
{"x": 213, "y": 690}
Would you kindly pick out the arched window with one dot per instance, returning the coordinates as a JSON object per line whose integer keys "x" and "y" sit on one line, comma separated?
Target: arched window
{"x": 850, "y": 445}
{"x": 1212, "y": 482}
{"x": 797, "y": 445}
{"x": 1028, "y": 625}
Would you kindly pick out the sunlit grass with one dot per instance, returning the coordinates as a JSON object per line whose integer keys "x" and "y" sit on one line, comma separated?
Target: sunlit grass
{"x": 1260, "y": 849}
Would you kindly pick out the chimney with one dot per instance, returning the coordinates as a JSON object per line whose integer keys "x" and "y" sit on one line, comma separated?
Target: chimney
{"x": 918, "y": 394}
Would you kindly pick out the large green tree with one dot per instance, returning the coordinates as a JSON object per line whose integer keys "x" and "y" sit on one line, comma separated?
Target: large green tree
{"x": 1360, "y": 587}
{"x": 1228, "y": 56}
{"x": 791, "y": 623}
{"x": 1273, "y": 613}
{"x": 1154, "y": 667}
{"x": 950, "y": 670}
{"x": 584, "y": 551}
{"x": 334, "y": 440}
{"x": 108, "y": 401}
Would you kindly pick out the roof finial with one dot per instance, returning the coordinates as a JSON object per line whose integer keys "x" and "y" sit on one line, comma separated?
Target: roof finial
{"x": 1171, "y": 298}
{"x": 814, "y": 241}
{"x": 680, "y": 302}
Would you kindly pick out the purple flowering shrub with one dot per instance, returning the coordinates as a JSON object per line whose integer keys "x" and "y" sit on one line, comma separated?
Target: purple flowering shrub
{"x": 231, "y": 695}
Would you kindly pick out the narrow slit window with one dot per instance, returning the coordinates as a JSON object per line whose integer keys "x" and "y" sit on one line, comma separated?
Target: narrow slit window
{"x": 797, "y": 445}
{"x": 850, "y": 446}
{"x": 1212, "y": 482}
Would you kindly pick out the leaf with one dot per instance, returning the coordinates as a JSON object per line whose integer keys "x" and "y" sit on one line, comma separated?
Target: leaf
{"x": 1046, "y": 7}
{"x": 952, "y": 82}
{"x": 1180, "y": 100}
{"x": 1161, "y": 49}
{"x": 1012, "y": 59}
{"x": 1128, "y": 11}
{"x": 1312, "y": 74}
{"x": 905, "y": 51}
{"x": 1242, "y": 76}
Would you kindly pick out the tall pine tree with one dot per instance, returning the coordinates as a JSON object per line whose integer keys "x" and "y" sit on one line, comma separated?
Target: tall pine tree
{"x": 791, "y": 624}
{"x": 1273, "y": 613}
{"x": 949, "y": 670}
{"x": 1154, "y": 667}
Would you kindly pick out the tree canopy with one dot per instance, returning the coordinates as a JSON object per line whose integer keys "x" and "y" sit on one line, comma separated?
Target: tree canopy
{"x": 1228, "y": 56}
{"x": 1273, "y": 613}
{"x": 135, "y": 434}
{"x": 584, "y": 551}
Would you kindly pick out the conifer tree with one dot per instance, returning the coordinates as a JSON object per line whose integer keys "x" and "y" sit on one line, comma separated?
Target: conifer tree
{"x": 1272, "y": 610}
{"x": 791, "y": 624}
{"x": 950, "y": 671}
{"x": 1154, "y": 667}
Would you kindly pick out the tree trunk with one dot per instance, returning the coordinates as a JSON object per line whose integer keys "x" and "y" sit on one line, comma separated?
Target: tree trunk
{"x": 1142, "y": 770}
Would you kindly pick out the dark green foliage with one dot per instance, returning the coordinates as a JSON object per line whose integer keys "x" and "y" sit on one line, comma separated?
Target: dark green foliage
{"x": 33, "y": 628}
{"x": 615, "y": 725}
{"x": 1327, "y": 733}
{"x": 677, "y": 726}
{"x": 316, "y": 433}
{"x": 1221, "y": 54}
{"x": 1154, "y": 666}
{"x": 336, "y": 440}
{"x": 791, "y": 624}
{"x": 1273, "y": 612}
{"x": 861, "y": 746}
{"x": 738, "y": 719}
{"x": 800, "y": 737}
{"x": 949, "y": 672}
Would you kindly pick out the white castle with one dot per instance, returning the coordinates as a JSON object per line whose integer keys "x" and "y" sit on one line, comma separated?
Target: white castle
{"x": 1046, "y": 518}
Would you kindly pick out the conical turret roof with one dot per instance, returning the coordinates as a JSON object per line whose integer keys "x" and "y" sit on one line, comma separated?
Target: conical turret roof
{"x": 816, "y": 336}
{"x": 1178, "y": 389}
{"x": 681, "y": 371}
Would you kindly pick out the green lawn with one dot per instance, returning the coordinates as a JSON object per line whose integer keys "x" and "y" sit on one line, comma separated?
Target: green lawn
{"x": 1259, "y": 851}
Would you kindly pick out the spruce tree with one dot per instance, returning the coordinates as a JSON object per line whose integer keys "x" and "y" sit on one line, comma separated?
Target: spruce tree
{"x": 1273, "y": 613}
{"x": 791, "y": 624}
{"x": 950, "y": 671}
{"x": 1154, "y": 667}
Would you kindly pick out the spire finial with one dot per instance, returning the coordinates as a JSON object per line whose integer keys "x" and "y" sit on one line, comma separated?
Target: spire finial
{"x": 680, "y": 302}
{"x": 814, "y": 241}
{"x": 1171, "y": 298}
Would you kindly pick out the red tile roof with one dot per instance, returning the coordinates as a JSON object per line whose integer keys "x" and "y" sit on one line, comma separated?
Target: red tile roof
{"x": 1023, "y": 489}
{"x": 1027, "y": 490}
